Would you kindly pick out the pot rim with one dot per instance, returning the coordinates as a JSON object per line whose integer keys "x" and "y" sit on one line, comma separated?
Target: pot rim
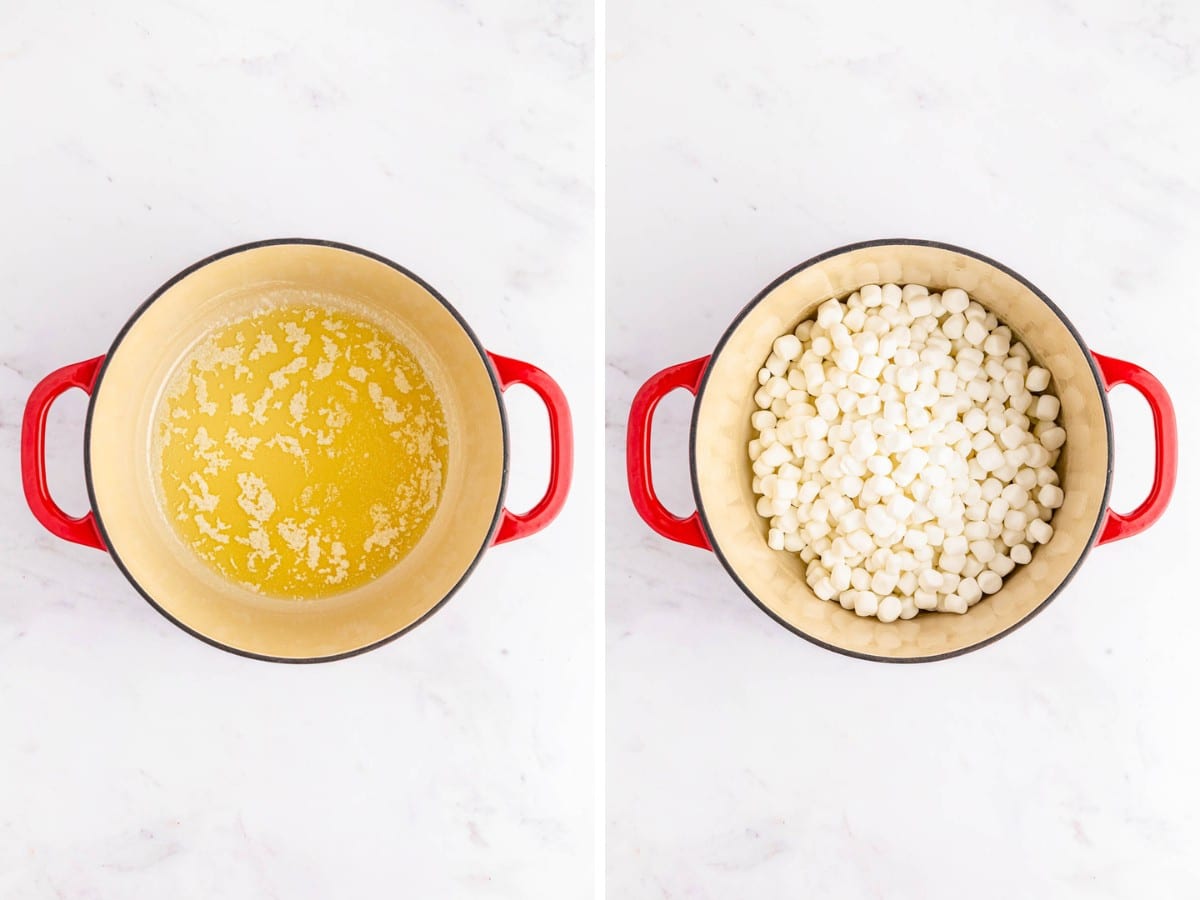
{"x": 908, "y": 242}
{"x": 272, "y": 242}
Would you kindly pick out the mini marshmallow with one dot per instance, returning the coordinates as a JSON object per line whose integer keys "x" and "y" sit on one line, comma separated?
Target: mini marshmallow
{"x": 920, "y": 305}
{"x": 1015, "y": 496}
{"x": 776, "y": 455}
{"x": 1037, "y": 458}
{"x": 1047, "y": 408}
{"x": 1015, "y": 520}
{"x": 871, "y": 366}
{"x": 899, "y": 507}
{"x": 929, "y": 579}
{"x": 968, "y": 589}
{"x": 989, "y": 582}
{"x": 1011, "y": 538}
{"x": 1039, "y": 532}
{"x": 955, "y": 545}
{"x": 954, "y": 326}
{"x": 975, "y": 333}
{"x": 983, "y": 550}
{"x": 787, "y": 347}
{"x": 1053, "y": 438}
{"x": 952, "y": 603}
{"x": 952, "y": 564}
{"x": 883, "y": 583}
{"x": 1001, "y": 564}
{"x": 977, "y": 530}
{"x": 1012, "y": 437}
{"x": 955, "y": 300}
{"x": 839, "y": 576}
{"x": 900, "y": 451}
{"x": 996, "y": 344}
{"x": 926, "y": 600}
{"x": 906, "y": 379}
{"x": 866, "y": 603}
{"x": 1038, "y": 379}
{"x": 846, "y": 359}
{"x": 1050, "y": 496}
{"x": 830, "y": 313}
{"x": 889, "y": 609}
{"x": 991, "y": 458}
{"x": 975, "y": 420}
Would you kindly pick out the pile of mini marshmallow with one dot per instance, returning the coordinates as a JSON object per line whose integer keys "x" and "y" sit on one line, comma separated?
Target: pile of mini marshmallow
{"x": 905, "y": 450}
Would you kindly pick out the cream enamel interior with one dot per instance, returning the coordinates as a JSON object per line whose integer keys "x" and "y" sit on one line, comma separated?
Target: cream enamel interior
{"x": 723, "y": 473}
{"x": 168, "y": 572}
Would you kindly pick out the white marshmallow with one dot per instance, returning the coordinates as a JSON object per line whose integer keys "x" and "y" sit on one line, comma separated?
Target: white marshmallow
{"x": 975, "y": 333}
{"x": 897, "y": 442}
{"x": 1053, "y": 438}
{"x": 983, "y": 550}
{"x": 1050, "y": 496}
{"x": 866, "y": 603}
{"x": 1038, "y": 379}
{"x": 925, "y": 599}
{"x": 955, "y": 300}
{"x": 929, "y": 579}
{"x": 889, "y": 609}
{"x": 953, "y": 603}
{"x": 1039, "y": 532}
{"x": 787, "y": 347}
{"x": 1047, "y": 408}
{"x": 989, "y": 582}
{"x": 919, "y": 305}
{"x": 969, "y": 590}
{"x": 1001, "y": 564}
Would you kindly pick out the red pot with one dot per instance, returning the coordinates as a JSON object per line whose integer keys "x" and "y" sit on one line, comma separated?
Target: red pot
{"x": 726, "y": 522}
{"x": 126, "y": 520}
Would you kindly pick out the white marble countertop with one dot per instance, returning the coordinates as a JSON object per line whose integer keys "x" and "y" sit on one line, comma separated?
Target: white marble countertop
{"x": 138, "y": 762}
{"x": 1058, "y": 138}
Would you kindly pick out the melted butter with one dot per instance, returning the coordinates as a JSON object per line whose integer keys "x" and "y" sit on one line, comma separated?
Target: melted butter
{"x": 300, "y": 451}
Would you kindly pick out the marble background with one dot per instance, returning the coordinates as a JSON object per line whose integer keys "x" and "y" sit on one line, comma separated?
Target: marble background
{"x": 137, "y": 762}
{"x": 1058, "y": 137}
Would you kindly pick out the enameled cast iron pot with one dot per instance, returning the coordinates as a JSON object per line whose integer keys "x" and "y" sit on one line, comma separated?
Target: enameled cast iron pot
{"x": 726, "y": 522}
{"x": 126, "y": 520}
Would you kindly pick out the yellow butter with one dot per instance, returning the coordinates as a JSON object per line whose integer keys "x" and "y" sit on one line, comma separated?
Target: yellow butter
{"x": 300, "y": 451}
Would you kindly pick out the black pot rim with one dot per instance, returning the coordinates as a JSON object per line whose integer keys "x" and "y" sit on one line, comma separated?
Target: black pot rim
{"x": 838, "y": 251}
{"x": 137, "y": 314}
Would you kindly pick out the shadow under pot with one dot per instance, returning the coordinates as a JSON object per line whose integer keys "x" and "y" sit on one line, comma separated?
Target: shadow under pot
{"x": 126, "y": 470}
{"x": 727, "y": 522}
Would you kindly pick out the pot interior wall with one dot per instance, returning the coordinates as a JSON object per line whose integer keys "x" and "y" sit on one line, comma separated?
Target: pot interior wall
{"x": 123, "y": 481}
{"x": 723, "y": 473}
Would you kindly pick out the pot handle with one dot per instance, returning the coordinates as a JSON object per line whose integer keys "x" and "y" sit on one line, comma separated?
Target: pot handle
{"x": 637, "y": 454}
{"x": 80, "y": 375}
{"x": 1166, "y": 448}
{"x": 562, "y": 448}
